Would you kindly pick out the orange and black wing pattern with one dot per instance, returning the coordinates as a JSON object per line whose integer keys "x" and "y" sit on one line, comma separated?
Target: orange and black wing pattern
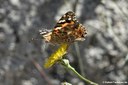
{"x": 67, "y": 30}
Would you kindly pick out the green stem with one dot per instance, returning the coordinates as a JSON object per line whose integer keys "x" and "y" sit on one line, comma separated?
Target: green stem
{"x": 65, "y": 63}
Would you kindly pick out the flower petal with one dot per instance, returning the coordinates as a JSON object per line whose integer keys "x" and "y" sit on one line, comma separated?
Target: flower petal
{"x": 57, "y": 55}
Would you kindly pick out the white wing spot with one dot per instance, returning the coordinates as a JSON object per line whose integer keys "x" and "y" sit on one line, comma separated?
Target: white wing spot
{"x": 61, "y": 21}
{"x": 69, "y": 18}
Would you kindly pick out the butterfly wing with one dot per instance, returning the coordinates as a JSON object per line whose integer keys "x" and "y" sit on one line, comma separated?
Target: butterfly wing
{"x": 68, "y": 29}
{"x": 66, "y": 19}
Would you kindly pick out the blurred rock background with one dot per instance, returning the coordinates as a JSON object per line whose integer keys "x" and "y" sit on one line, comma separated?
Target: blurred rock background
{"x": 103, "y": 55}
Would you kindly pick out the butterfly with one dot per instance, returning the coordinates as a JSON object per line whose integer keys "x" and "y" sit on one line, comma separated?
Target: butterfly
{"x": 67, "y": 30}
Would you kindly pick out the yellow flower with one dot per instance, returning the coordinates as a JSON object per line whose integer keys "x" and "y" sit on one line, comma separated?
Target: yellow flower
{"x": 57, "y": 55}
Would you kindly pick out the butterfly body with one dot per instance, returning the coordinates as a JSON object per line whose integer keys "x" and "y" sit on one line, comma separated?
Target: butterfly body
{"x": 67, "y": 30}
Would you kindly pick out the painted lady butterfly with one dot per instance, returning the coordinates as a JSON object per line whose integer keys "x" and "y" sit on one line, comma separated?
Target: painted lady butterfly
{"x": 67, "y": 30}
